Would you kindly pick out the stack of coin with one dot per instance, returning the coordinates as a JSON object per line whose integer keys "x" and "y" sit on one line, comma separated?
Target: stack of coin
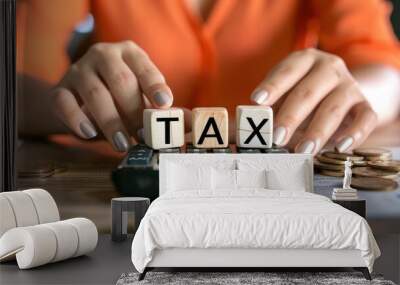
{"x": 392, "y": 165}
{"x": 373, "y": 184}
{"x": 374, "y": 154}
{"x": 374, "y": 172}
{"x": 37, "y": 169}
{"x": 331, "y": 163}
{"x": 60, "y": 167}
{"x": 373, "y": 168}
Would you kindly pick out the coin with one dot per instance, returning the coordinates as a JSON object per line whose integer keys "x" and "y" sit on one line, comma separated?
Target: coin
{"x": 60, "y": 167}
{"x": 36, "y": 175}
{"x": 325, "y": 166}
{"x": 373, "y": 183}
{"x": 379, "y": 158}
{"x": 331, "y": 173}
{"x": 329, "y": 160}
{"x": 342, "y": 156}
{"x": 393, "y": 165}
{"x": 371, "y": 172}
{"x": 35, "y": 169}
{"x": 371, "y": 151}
{"x": 359, "y": 163}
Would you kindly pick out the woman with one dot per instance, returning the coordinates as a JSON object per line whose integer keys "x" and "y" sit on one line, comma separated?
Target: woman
{"x": 190, "y": 53}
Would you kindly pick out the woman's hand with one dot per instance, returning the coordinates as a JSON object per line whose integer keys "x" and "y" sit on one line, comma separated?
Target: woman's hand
{"x": 105, "y": 87}
{"x": 312, "y": 81}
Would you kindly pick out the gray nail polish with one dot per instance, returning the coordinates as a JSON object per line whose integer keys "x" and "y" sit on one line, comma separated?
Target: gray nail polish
{"x": 279, "y": 135}
{"x": 120, "y": 141}
{"x": 306, "y": 147}
{"x": 162, "y": 99}
{"x": 88, "y": 130}
{"x": 259, "y": 96}
{"x": 344, "y": 144}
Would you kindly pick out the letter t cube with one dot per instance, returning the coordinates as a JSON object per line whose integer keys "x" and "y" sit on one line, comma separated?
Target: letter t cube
{"x": 163, "y": 128}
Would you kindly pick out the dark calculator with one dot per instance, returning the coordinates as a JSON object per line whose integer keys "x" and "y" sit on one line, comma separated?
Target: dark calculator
{"x": 137, "y": 174}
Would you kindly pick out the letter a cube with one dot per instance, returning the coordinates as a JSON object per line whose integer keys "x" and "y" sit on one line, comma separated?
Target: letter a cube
{"x": 210, "y": 127}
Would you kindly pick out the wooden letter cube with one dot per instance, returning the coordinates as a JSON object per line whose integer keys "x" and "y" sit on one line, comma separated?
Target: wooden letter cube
{"x": 254, "y": 126}
{"x": 163, "y": 128}
{"x": 210, "y": 127}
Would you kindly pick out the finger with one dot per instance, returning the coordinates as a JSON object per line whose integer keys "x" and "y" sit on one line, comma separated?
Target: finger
{"x": 283, "y": 77}
{"x": 328, "y": 118}
{"x": 124, "y": 87}
{"x": 302, "y": 100}
{"x": 151, "y": 81}
{"x": 66, "y": 108}
{"x": 365, "y": 121}
{"x": 100, "y": 104}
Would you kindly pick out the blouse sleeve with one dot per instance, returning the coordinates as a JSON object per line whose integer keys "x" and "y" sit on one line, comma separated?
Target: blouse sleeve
{"x": 43, "y": 31}
{"x": 359, "y": 31}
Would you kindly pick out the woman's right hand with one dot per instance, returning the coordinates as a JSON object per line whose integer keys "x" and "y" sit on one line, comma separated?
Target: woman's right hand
{"x": 103, "y": 91}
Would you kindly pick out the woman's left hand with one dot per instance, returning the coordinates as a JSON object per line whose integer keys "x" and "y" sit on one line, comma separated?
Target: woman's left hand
{"x": 312, "y": 81}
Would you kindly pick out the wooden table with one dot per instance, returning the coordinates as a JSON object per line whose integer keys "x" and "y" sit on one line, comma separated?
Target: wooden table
{"x": 85, "y": 189}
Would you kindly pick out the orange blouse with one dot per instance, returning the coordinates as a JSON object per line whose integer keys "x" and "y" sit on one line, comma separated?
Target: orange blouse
{"x": 214, "y": 63}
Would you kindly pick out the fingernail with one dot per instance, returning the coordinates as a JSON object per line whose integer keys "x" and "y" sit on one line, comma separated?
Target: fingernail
{"x": 120, "y": 141}
{"x": 279, "y": 135}
{"x": 259, "y": 96}
{"x": 306, "y": 147}
{"x": 140, "y": 134}
{"x": 88, "y": 130}
{"x": 162, "y": 99}
{"x": 344, "y": 144}
{"x": 357, "y": 136}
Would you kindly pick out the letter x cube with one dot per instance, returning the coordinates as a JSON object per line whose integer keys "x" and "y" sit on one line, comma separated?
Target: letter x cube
{"x": 254, "y": 126}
